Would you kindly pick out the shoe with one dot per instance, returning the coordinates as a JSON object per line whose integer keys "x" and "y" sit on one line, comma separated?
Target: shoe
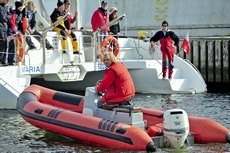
{"x": 170, "y": 79}
{"x": 77, "y": 52}
{"x": 32, "y": 47}
{"x": 64, "y": 52}
{"x": 9, "y": 60}
{"x": 50, "y": 48}
{"x": 164, "y": 78}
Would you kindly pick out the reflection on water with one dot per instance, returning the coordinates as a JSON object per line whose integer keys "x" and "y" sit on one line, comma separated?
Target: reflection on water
{"x": 19, "y": 136}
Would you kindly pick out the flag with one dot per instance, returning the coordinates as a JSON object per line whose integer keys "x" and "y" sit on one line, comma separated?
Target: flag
{"x": 185, "y": 44}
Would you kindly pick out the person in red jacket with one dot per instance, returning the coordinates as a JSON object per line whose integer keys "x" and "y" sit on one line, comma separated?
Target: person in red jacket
{"x": 168, "y": 39}
{"x": 68, "y": 24}
{"x": 16, "y": 17}
{"x": 117, "y": 83}
{"x": 100, "y": 18}
{"x": 70, "y": 19}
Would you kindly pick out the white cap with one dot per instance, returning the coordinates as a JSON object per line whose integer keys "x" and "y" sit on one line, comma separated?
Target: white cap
{"x": 112, "y": 9}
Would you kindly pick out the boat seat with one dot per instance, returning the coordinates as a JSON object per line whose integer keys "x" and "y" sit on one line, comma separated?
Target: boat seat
{"x": 134, "y": 110}
{"x": 127, "y": 109}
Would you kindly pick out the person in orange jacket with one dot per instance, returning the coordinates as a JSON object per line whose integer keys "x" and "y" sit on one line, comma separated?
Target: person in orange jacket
{"x": 117, "y": 83}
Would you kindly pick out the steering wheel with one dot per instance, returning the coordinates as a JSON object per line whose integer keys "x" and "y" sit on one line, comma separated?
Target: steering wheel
{"x": 100, "y": 93}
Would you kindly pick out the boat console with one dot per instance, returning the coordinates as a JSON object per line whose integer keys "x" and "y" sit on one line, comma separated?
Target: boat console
{"x": 128, "y": 115}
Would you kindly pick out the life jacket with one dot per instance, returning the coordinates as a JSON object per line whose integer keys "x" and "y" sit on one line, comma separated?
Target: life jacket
{"x": 122, "y": 87}
{"x": 16, "y": 17}
{"x": 99, "y": 18}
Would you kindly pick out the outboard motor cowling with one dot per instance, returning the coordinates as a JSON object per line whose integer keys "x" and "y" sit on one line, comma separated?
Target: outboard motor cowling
{"x": 176, "y": 127}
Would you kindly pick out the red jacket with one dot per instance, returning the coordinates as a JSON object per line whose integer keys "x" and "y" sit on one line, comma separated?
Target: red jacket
{"x": 99, "y": 20}
{"x": 70, "y": 20}
{"x": 118, "y": 83}
{"x": 16, "y": 17}
{"x": 166, "y": 42}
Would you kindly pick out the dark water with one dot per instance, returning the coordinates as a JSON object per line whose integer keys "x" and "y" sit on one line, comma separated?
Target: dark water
{"x": 17, "y": 136}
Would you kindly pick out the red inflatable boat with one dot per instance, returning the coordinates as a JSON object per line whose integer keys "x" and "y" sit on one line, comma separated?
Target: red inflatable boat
{"x": 76, "y": 117}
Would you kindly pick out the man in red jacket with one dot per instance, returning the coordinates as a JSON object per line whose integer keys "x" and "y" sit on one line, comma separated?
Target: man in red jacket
{"x": 117, "y": 83}
{"x": 100, "y": 18}
{"x": 168, "y": 39}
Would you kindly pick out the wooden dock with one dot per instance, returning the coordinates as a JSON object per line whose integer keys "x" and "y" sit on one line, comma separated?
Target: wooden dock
{"x": 211, "y": 57}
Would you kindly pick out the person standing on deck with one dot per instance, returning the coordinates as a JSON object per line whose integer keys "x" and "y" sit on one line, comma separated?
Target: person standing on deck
{"x": 100, "y": 18}
{"x": 114, "y": 29}
{"x": 168, "y": 39}
{"x": 4, "y": 19}
{"x": 117, "y": 83}
{"x": 16, "y": 17}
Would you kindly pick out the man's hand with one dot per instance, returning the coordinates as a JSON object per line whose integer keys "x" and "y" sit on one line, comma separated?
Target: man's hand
{"x": 152, "y": 44}
{"x": 68, "y": 31}
{"x": 27, "y": 33}
{"x": 177, "y": 51}
{"x": 76, "y": 13}
{"x": 95, "y": 88}
{"x": 31, "y": 31}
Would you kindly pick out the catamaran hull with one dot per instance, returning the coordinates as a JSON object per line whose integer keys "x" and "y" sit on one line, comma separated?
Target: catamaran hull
{"x": 145, "y": 81}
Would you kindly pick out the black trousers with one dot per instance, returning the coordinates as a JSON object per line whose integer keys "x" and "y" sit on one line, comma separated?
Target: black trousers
{"x": 3, "y": 46}
{"x": 37, "y": 36}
